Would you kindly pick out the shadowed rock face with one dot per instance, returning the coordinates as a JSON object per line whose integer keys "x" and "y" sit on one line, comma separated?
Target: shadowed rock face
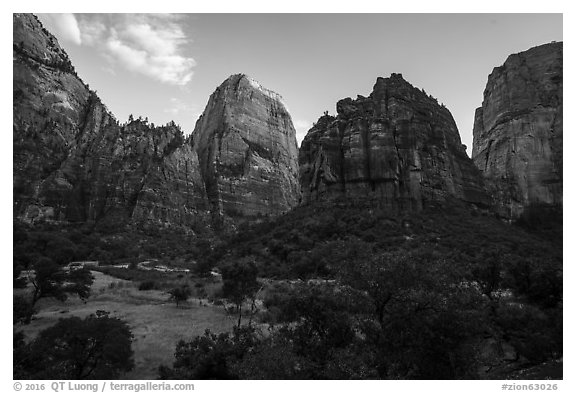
{"x": 246, "y": 144}
{"x": 518, "y": 131}
{"x": 73, "y": 161}
{"x": 398, "y": 147}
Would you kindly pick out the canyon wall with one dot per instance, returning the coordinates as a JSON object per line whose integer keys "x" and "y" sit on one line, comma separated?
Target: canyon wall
{"x": 246, "y": 144}
{"x": 397, "y": 147}
{"x": 73, "y": 161}
{"x": 518, "y": 131}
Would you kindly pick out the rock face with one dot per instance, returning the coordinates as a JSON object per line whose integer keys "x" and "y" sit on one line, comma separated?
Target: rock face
{"x": 73, "y": 161}
{"x": 246, "y": 145}
{"x": 518, "y": 131}
{"x": 397, "y": 147}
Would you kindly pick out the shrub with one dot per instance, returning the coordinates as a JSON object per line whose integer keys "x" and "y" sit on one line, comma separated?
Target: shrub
{"x": 147, "y": 285}
{"x": 23, "y": 310}
{"x": 535, "y": 334}
{"x": 209, "y": 356}
{"x": 180, "y": 294}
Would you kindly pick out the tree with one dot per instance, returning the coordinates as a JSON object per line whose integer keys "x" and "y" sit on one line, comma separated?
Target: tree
{"x": 204, "y": 266}
{"x": 206, "y": 259}
{"x": 487, "y": 273}
{"x": 52, "y": 245}
{"x": 539, "y": 279}
{"x": 22, "y": 310}
{"x": 180, "y": 294}
{"x": 418, "y": 315}
{"x": 320, "y": 319}
{"x": 50, "y": 280}
{"x": 18, "y": 281}
{"x": 97, "y": 347}
{"x": 272, "y": 358}
{"x": 210, "y": 356}
{"x": 240, "y": 284}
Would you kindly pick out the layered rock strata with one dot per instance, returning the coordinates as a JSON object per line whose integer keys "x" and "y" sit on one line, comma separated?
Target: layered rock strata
{"x": 397, "y": 147}
{"x": 246, "y": 145}
{"x": 73, "y": 161}
{"x": 518, "y": 131}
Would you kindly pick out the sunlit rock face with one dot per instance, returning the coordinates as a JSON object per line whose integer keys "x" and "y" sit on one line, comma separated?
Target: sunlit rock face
{"x": 518, "y": 131}
{"x": 397, "y": 147}
{"x": 73, "y": 161}
{"x": 246, "y": 145}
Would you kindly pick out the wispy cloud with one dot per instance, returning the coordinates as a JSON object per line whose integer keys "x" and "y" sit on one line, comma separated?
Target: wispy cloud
{"x": 148, "y": 44}
{"x": 93, "y": 31}
{"x": 178, "y": 107}
{"x": 63, "y": 26}
{"x": 302, "y": 127}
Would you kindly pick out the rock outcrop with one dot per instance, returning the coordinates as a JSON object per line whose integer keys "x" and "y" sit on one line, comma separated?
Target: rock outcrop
{"x": 397, "y": 147}
{"x": 246, "y": 144}
{"x": 73, "y": 161}
{"x": 518, "y": 131}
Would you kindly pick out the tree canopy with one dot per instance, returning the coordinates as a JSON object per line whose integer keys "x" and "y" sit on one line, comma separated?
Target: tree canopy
{"x": 239, "y": 283}
{"x": 96, "y": 347}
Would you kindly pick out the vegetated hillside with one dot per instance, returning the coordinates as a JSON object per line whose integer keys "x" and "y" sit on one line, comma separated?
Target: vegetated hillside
{"x": 103, "y": 242}
{"x": 446, "y": 293}
{"x": 313, "y": 241}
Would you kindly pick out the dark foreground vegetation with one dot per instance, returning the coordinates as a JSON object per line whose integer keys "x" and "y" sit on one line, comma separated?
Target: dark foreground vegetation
{"x": 96, "y": 347}
{"x": 347, "y": 291}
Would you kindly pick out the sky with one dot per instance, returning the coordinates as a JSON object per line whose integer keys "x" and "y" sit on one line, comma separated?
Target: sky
{"x": 165, "y": 66}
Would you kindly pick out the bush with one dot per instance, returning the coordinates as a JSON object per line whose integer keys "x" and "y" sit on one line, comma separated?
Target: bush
{"x": 209, "y": 356}
{"x": 535, "y": 334}
{"x": 180, "y": 294}
{"x": 147, "y": 286}
{"x": 23, "y": 310}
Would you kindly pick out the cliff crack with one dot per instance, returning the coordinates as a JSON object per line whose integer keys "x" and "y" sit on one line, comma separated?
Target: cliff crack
{"x": 342, "y": 172}
{"x": 398, "y": 155}
{"x": 365, "y": 132}
{"x": 488, "y": 155}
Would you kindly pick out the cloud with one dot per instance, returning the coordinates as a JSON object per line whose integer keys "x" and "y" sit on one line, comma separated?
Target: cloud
{"x": 177, "y": 107}
{"x": 63, "y": 26}
{"x": 302, "y": 127}
{"x": 92, "y": 31}
{"x": 148, "y": 44}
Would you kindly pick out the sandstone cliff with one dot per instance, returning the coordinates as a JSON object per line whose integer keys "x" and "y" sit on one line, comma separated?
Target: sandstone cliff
{"x": 246, "y": 145}
{"x": 518, "y": 131}
{"x": 397, "y": 147}
{"x": 73, "y": 161}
